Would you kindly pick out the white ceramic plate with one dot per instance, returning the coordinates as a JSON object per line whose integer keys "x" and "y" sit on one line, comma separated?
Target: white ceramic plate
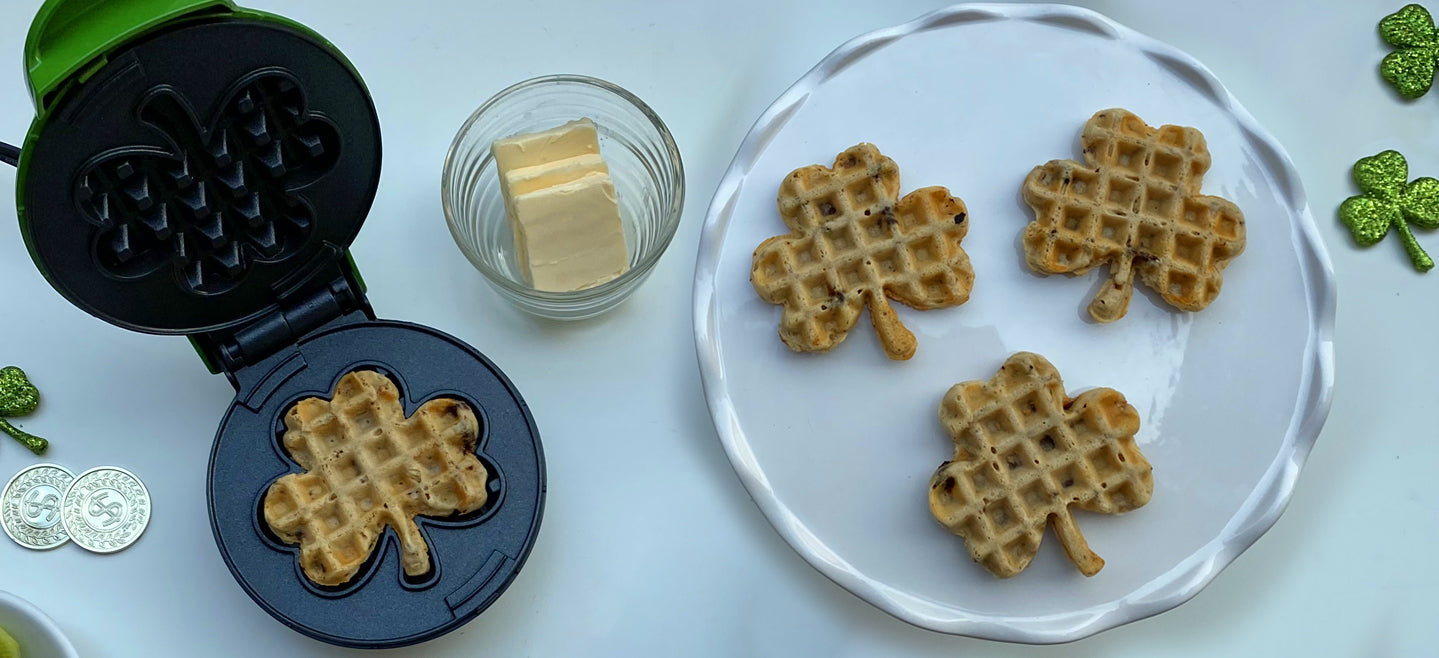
{"x": 36, "y": 633}
{"x": 837, "y": 448}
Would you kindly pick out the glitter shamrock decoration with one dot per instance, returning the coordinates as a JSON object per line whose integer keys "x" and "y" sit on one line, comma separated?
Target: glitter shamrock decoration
{"x": 1410, "y": 68}
{"x": 18, "y": 397}
{"x": 1387, "y": 201}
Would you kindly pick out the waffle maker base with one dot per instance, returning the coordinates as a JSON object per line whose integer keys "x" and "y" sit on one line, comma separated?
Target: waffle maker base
{"x": 474, "y": 556}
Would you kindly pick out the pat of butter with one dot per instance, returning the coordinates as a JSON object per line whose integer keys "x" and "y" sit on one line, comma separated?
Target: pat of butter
{"x": 530, "y": 149}
{"x": 571, "y": 233}
{"x": 528, "y": 179}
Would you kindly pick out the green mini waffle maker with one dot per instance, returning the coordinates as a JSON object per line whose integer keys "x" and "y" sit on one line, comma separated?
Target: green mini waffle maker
{"x": 197, "y": 168}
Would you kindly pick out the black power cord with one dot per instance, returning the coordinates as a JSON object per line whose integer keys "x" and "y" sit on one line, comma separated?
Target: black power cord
{"x": 9, "y": 154}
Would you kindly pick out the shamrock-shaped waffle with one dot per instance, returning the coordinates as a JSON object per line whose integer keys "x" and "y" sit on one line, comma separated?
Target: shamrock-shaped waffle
{"x": 853, "y": 243}
{"x": 1134, "y": 204}
{"x": 18, "y": 397}
{"x": 368, "y": 467}
{"x": 1410, "y": 68}
{"x": 1387, "y": 201}
{"x": 1024, "y": 452}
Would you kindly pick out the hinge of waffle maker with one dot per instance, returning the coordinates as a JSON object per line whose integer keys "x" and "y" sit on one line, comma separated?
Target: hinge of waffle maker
{"x": 316, "y": 304}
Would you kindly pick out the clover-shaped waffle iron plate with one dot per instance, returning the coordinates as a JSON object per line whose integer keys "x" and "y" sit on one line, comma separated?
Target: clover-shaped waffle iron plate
{"x": 221, "y": 197}
{"x": 473, "y": 556}
{"x": 189, "y": 218}
{"x": 838, "y": 448}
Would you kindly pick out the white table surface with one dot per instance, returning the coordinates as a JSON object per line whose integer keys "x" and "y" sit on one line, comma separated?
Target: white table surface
{"x": 649, "y": 545}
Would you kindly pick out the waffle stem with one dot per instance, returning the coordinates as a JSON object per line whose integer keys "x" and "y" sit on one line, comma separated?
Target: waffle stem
{"x": 1417, "y": 255}
{"x": 1112, "y": 300}
{"x": 898, "y": 341}
{"x": 1074, "y": 544}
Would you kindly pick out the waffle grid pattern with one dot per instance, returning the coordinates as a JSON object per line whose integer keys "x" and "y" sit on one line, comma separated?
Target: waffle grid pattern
{"x": 854, "y": 243}
{"x": 369, "y": 467}
{"x": 1134, "y": 204}
{"x": 220, "y": 201}
{"x": 1024, "y": 453}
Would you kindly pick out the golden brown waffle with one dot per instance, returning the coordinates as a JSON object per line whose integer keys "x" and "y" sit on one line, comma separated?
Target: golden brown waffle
{"x": 851, "y": 244}
{"x": 1024, "y": 453}
{"x": 367, "y": 467}
{"x": 1134, "y": 204}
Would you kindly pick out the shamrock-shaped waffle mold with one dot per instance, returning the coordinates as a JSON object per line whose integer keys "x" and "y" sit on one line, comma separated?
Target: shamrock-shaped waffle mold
{"x": 221, "y": 197}
{"x": 1388, "y": 201}
{"x": 1410, "y": 68}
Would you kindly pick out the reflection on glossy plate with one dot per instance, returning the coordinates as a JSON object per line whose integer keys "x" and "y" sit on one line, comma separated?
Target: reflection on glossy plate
{"x": 837, "y": 449}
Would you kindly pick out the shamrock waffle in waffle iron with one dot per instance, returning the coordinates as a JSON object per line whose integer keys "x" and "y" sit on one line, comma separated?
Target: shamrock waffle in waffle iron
{"x": 368, "y": 466}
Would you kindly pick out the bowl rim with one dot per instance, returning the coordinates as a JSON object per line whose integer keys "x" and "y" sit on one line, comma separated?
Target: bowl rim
{"x": 41, "y": 621}
{"x": 672, "y": 214}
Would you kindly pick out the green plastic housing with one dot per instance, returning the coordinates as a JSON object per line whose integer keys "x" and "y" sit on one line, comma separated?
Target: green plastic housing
{"x": 74, "y": 36}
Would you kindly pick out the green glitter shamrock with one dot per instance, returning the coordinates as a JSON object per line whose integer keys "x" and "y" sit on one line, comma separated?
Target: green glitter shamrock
{"x": 19, "y": 397}
{"x": 1388, "y": 201}
{"x": 1410, "y": 68}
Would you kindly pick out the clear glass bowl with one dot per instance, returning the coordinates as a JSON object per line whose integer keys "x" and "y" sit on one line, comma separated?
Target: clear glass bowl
{"x": 643, "y": 161}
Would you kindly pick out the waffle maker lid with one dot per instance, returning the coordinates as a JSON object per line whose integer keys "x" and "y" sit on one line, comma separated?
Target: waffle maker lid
{"x": 200, "y": 169}
{"x": 189, "y": 178}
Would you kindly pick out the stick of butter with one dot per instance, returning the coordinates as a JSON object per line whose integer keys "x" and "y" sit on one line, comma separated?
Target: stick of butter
{"x": 562, "y": 208}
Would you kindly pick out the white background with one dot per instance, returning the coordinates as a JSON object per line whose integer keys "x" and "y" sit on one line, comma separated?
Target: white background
{"x": 649, "y": 544}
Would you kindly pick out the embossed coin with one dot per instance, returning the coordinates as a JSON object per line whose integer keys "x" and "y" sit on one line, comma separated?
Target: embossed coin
{"x": 105, "y": 509}
{"x": 30, "y": 506}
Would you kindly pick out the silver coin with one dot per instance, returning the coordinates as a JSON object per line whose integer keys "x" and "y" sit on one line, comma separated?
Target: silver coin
{"x": 106, "y": 509}
{"x": 30, "y": 506}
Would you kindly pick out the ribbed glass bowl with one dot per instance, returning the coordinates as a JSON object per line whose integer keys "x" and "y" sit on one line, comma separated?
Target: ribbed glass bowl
{"x": 643, "y": 162}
